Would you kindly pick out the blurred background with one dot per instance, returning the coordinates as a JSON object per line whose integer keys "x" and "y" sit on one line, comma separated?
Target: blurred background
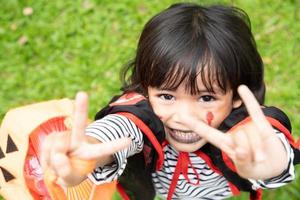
{"x": 52, "y": 49}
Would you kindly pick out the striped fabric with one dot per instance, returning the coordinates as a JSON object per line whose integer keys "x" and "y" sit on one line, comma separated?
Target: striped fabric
{"x": 212, "y": 185}
{"x": 107, "y": 129}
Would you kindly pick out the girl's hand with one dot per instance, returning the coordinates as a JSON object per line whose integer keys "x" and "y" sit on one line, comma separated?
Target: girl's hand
{"x": 61, "y": 151}
{"x": 254, "y": 147}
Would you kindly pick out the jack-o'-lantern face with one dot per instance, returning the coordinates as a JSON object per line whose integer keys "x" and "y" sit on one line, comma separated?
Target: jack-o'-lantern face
{"x": 21, "y": 137}
{"x": 10, "y": 150}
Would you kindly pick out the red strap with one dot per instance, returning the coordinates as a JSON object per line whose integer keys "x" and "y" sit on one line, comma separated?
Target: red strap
{"x": 130, "y": 98}
{"x": 165, "y": 143}
{"x": 122, "y": 192}
{"x": 235, "y": 191}
{"x": 150, "y": 135}
{"x": 174, "y": 180}
{"x": 185, "y": 163}
{"x": 277, "y": 124}
{"x": 298, "y": 143}
{"x": 208, "y": 161}
{"x": 257, "y": 195}
{"x": 182, "y": 166}
{"x": 284, "y": 130}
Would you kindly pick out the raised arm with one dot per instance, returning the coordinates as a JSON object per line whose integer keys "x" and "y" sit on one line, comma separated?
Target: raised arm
{"x": 254, "y": 147}
{"x": 64, "y": 153}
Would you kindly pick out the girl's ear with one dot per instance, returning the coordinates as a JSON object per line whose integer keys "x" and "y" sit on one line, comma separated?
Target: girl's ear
{"x": 237, "y": 103}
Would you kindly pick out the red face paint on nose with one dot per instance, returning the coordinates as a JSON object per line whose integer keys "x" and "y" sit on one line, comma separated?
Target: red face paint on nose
{"x": 209, "y": 117}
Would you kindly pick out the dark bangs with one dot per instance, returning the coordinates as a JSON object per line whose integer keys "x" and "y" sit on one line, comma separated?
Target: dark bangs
{"x": 186, "y": 69}
{"x": 187, "y": 41}
{"x": 173, "y": 49}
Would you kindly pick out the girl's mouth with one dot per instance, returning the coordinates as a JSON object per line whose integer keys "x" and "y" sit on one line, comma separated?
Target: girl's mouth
{"x": 187, "y": 137}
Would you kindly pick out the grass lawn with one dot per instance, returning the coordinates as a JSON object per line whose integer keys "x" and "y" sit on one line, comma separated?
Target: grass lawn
{"x": 52, "y": 49}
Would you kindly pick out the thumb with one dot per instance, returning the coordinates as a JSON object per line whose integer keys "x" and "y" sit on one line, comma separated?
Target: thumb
{"x": 89, "y": 151}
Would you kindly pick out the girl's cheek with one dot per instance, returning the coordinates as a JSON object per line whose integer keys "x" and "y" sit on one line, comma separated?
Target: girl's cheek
{"x": 160, "y": 117}
{"x": 209, "y": 118}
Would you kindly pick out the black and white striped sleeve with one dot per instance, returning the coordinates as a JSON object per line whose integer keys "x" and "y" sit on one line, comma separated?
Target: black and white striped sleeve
{"x": 109, "y": 128}
{"x": 286, "y": 176}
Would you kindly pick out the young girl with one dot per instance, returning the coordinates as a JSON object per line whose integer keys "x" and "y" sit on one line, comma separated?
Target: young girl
{"x": 181, "y": 128}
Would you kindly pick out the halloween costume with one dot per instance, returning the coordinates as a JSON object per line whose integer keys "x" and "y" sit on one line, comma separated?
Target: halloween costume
{"x": 149, "y": 157}
{"x": 148, "y": 169}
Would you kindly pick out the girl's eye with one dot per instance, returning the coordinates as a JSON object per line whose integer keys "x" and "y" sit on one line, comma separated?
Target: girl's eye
{"x": 166, "y": 97}
{"x": 207, "y": 98}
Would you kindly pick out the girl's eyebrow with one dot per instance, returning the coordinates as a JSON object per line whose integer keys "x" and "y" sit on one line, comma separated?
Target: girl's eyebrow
{"x": 213, "y": 90}
{"x": 166, "y": 90}
{"x": 204, "y": 90}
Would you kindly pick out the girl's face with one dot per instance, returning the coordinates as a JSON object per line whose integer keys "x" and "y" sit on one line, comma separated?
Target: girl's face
{"x": 171, "y": 106}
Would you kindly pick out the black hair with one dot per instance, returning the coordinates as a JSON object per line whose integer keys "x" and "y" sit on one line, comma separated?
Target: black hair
{"x": 187, "y": 40}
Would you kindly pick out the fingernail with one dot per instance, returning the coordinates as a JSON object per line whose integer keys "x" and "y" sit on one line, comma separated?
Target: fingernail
{"x": 68, "y": 122}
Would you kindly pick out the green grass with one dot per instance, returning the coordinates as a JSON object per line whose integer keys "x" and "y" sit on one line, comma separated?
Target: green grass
{"x": 77, "y": 45}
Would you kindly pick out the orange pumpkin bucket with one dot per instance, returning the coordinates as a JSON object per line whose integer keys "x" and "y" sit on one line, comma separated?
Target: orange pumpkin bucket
{"x": 22, "y": 133}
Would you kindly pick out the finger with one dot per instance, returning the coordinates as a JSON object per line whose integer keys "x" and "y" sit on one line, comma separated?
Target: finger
{"x": 61, "y": 165}
{"x": 243, "y": 158}
{"x": 46, "y": 151}
{"x": 255, "y": 141}
{"x": 53, "y": 143}
{"x": 60, "y": 142}
{"x": 89, "y": 151}
{"x": 212, "y": 135}
{"x": 80, "y": 119}
{"x": 254, "y": 109}
{"x": 242, "y": 148}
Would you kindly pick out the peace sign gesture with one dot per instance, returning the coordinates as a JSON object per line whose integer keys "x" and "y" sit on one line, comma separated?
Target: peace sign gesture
{"x": 61, "y": 152}
{"x": 253, "y": 147}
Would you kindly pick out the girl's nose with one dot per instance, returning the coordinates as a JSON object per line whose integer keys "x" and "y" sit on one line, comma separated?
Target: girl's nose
{"x": 184, "y": 109}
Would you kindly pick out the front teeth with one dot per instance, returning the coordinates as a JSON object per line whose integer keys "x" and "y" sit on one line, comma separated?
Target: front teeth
{"x": 184, "y": 136}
